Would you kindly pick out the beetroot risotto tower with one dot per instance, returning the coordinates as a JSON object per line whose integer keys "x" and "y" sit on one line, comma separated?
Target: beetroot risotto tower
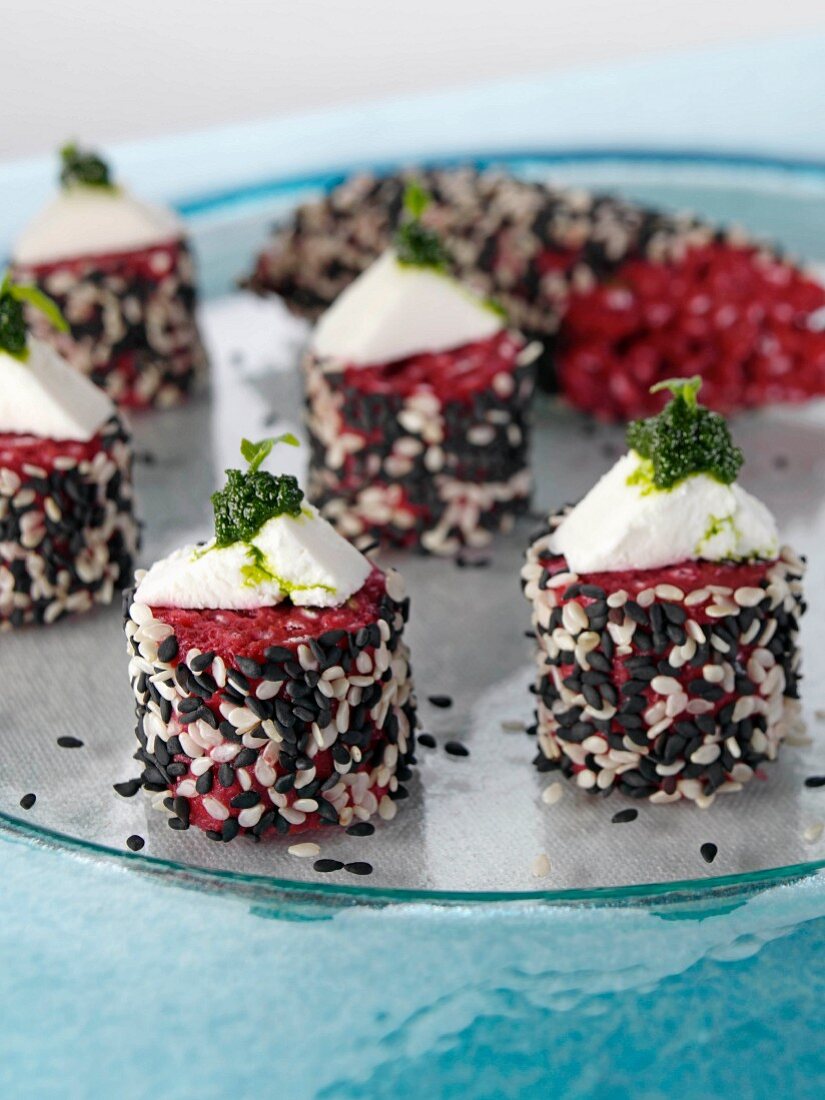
{"x": 271, "y": 677}
{"x": 417, "y": 403}
{"x": 666, "y": 616}
{"x": 620, "y": 295}
{"x": 67, "y": 530}
{"x": 122, "y": 275}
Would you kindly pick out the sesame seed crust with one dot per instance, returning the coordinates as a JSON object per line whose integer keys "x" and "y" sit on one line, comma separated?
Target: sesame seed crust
{"x": 132, "y": 321}
{"x": 420, "y": 469}
{"x": 670, "y": 692}
{"x": 313, "y": 732}
{"x": 68, "y": 535}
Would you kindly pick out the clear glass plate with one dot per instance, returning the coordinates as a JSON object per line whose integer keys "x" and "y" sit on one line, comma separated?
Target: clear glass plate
{"x": 473, "y": 826}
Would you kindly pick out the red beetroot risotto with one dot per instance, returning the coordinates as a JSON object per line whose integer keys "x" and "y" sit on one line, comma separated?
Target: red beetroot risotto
{"x": 664, "y": 683}
{"x": 276, "y": 720}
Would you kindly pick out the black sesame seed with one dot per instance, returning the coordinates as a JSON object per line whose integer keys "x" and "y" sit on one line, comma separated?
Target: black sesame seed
{"x": 203, "y": 784}
{"x": 708, "y": 852}
{"x": 135, "y": 842}
{"x": 361, "y": 828}
{"x": 230, "y": 829}
{"x": 815, "y": 781}
{"x": 28, "y": 800}
{"x": 624, "y": 816}
{"x": 70, "y": 742}
{"x": 168, "y": 649}
{"x": 427, "y": 740}
{"x": 358, "y": 868}
{"x": 248, "y": 667}
{"x": 226, "y": 775}
{"x": 324, "y": 866}
{"x": 202, "y": 662}
{"x": 245, "y": 800}
{"x": 440, "y": 701}
{"x": 456, "y": 748}
{"x": 129, "y": 788}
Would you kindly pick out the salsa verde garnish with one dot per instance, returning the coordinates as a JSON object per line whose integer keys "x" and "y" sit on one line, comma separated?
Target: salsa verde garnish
{"x": 13, "y": 328}
{"x": 415, "y": 244}
{"x": 684, "y": 439}
{"x": 84, "y": 167}
{"x": 253, "y": 496}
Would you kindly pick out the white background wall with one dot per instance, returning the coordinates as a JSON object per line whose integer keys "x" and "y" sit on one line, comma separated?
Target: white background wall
{"x": 105, "y": 70}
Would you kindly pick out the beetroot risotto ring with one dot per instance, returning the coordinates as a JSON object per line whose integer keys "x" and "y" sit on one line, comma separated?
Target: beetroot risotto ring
{"x": 663, "y": 683}
{"x": 277, "y": 719}
{"x": 429, "y": 452}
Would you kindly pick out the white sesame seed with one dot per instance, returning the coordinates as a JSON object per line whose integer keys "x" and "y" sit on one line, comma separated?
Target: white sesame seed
{"x": 706, "y": 754}
{"x": 748, "y": 597}
{"x": 305, "y": 850}
{"x": 665, "y": 685}
{"x": 551, "y": 795}
{"x": 541, "y": 866}
{"x": 813, "y": 832}
{"x": 669, "y": 592}
{"x": 215, "y": 809}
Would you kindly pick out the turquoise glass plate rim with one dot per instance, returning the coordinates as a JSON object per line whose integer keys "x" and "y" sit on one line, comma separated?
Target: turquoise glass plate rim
{"x": 201, "y": 207}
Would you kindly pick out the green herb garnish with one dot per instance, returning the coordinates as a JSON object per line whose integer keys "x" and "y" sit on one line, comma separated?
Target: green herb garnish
{"x": 84, "y": 167}
{"x": 683, "y": 440}
{"x": 13, "y": 328}
{"x": 253, "y": 496}
{"x": 415, "y": 244}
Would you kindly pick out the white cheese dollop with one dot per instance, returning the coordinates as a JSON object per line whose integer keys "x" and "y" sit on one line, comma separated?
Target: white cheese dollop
{"x": 88, "y": 221}
{"x": 620, "y": 526}
{"x": 45, "y": 396}
{"x": 310, "y": 562}
{"x": 394, "y": 310}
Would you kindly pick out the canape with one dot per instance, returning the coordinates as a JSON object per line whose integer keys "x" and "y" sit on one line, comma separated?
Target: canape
{"x": 121, "y": 272}
{"x": 418, "y": 393}
{"x": 67, "y": 528}
{"x": 666, "y": 613}
{"x": 271, "y": 677}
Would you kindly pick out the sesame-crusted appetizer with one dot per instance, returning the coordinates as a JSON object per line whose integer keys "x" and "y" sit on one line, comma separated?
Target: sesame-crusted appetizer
{"x": 122, "y": 274}
{"x": 67, "y": 529}
{"x": 271, "y": 677}
{"x": 621, "y": 296}
{"x": 417, "y": 402}
{"x": 666, "y": 614}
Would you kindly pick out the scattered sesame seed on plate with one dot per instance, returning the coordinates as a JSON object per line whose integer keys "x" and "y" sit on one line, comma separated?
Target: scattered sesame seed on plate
{"x": 708, "y": 852}
{"x": 541, "y": 866}
{"x": 304, "y": 850}
{"x": 361, "y": 828}
{"x": 135, "y": 842}
{"x": 70, "y": 742}
{"x": 358, "y": 868}
{"x": 129, "y": 788}
{"x": 324, "y": 866}
{"x": 427, "y": 740}
{"x": 456, "y": 748}
{"x": 513, "y": 726}
{"x": 623, "y": 816}
{"x": 550, "y": 795}
{"x": 813, "y": 832}
{"x": 440, "y": 701}
{"x": 28, "y": 800}
{"x": 815, "y": 781}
